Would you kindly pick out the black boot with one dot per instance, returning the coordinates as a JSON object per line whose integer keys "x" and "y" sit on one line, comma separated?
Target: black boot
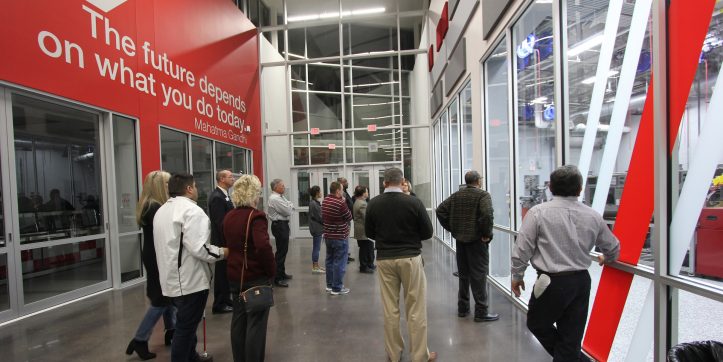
{"x": 141, "y": 348}
{"x": 169, "y": 336}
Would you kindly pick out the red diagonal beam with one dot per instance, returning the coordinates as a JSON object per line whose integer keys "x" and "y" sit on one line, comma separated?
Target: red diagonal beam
{"x": 687, "y": 27}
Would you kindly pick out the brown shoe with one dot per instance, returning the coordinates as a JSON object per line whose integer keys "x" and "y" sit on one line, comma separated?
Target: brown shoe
{"x": 432, "y": 356}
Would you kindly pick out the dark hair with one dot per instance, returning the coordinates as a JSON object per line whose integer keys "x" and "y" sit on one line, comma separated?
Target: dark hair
{"x": 178, "y": 183}
{"x": 566, "y": 181}
{"x": 334, "y": 187}
{"x": 314, "y": 190}
{"x": 471, "y": 177}
{"x": 360, "y": 190}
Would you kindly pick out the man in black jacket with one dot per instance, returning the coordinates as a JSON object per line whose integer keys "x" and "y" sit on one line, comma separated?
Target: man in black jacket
{"x": 398, "y": 223}
{"x": 219, "y": 203}
{"x": 467, "y": 214}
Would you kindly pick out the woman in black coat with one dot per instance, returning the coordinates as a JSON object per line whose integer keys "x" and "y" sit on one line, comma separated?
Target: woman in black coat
{"x": 154, "y": 194}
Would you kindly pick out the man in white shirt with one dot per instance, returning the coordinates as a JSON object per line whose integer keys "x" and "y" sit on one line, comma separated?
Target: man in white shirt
{"x": 279, "y": 212}
{"x": 182, "y": 231}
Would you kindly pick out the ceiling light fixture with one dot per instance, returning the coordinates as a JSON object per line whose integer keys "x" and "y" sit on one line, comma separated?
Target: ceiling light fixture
{"x": 334, "y": 14}
{"x": 585, "y": 45}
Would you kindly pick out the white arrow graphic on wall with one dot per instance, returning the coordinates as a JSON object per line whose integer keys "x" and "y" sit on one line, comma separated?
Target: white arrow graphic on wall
{"x": 107, "y": 5}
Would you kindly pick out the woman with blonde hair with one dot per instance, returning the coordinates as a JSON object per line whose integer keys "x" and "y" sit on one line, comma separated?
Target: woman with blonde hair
{"x": 250, "y": 263}
{"x": 154, "y": 194}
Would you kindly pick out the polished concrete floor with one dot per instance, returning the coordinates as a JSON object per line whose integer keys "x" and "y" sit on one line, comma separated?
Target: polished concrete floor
{"x": 305, "y": 325}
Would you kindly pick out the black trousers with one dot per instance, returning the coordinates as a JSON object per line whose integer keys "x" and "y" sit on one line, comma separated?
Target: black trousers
{"x": 557, "y": 317}
{"x": 189, "y": 313}
{"x": 248, "y": 331}
{"x": 366, "y": 254}
{"x": 473, "y": 260}
{"x": 281, "y": 231}
{"x": 221, "y": 294}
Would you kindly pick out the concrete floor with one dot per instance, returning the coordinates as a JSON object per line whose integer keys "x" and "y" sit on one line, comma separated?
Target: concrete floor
{"x": 305, "y": 325}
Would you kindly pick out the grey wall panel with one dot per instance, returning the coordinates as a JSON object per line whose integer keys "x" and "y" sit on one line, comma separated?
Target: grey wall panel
{"x": 492, "y": 11}
{"x": 440, "y": 62}
{"x": 456, "y": 67}
{"x": 464, "y": 13}
{"x": 435, "y": 101}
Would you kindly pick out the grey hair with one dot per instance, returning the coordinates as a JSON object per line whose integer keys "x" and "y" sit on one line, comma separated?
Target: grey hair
{"x": 472, "y": 177}
{"x": 275, "y": 182}
{"x": 393, "y": 176}
{"x": 566, "y": 181}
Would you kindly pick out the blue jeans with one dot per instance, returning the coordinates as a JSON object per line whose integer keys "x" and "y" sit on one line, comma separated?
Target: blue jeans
{"x": 337, "y": 252}
{"x": 153, "y": 314}
{"x": 190, "y": 311}
{"x": 316, "y": 249}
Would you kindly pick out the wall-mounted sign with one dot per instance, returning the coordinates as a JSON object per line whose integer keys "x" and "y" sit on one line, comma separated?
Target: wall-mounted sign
{"x": 332, "y": 146}
{"x": 372, "y": 128}
{"x": 373, "y": 146}
{"x": 314, "y": 131}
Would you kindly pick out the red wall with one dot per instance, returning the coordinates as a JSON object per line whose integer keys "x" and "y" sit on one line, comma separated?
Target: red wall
{"x": 211, "y": 39}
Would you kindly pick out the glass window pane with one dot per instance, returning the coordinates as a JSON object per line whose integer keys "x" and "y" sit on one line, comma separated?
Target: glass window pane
{"x": 698, "y": 256}
{"x": 325, "y": 139}
{"x": 301, "y": 156}
{"x": 370, "y": 35}
{"x": 366, "y": 110}
{"x": 466, "y": 118}
{"x": 174, "y": 151}
{"x": 126, "y": 175}
{"x": 203, "y": 172}
{"x": 297, "y": 43}
{"x": 58, "y": 171}
{"x": 325, "y": 111}
{"x": 372, "y": 76}
{"x": 325, "y": 77}
{"x": 454, "y": 146}
{"x": 242, "y": 161}
{"x": 304, "y": 219}
{"x": 323, "y": 155}
{"x": 534, "y": 91}
{"x": 410, "y": 28}
{"x": 4, "y": 291}
{"x": 498, "y": 134}
{"x": 224, "y": 159}
{"x": 299, "y": 111}
{"x": 58, "y": 269}
{"x": 699, "y": 318}
{"x": 130, "y": 257}
{"x": 304, "y": 181}
{"x": 298, "y": 76}
{"x": 438, "y": 171}
{"x": 315, "y": 42}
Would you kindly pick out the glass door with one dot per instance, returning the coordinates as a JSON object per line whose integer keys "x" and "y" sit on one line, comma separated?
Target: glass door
{"x": 371, "y": 176}
{"x": 303, "y": 179}
{"x": 8, "y": 303}
{"x": 60, "y": 241}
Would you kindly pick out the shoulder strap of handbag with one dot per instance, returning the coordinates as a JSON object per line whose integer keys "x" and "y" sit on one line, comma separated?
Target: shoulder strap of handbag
{"x": 246, "y": 241}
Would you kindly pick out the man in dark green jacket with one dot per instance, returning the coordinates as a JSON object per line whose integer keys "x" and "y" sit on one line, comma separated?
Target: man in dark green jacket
{"x": 467, "y": 214}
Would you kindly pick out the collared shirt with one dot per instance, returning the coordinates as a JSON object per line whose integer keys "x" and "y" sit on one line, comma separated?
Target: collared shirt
{"x": 225, "y": 192}
{"x": 279, "y": 207}
{"x": 557, "y": 236}
{"x": 393, "y": 189}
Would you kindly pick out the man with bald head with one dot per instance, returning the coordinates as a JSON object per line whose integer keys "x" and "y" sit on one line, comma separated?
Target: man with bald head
{"x": 219, "y": 204}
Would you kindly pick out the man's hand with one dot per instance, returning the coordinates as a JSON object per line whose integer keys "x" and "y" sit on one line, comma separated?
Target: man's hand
{"x": 601, "y": 259}
{"x": 225, "y": 253}
{"x": 516, "y": 285}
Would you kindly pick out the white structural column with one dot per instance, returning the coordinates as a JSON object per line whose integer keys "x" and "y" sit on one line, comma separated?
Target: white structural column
{"x": 703, "y": 163}
{"x": 636, "y": 36}
{"x": 598, "y": 90}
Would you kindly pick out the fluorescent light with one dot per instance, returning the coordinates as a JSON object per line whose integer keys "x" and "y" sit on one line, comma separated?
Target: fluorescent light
{"x": 591, "y": 80}
{"x": 374, "y": 104}
{"x": 335, "y": 14}
{"x": 587, "y": 44}
{"x": 369, "y": 84}
{"x": 543, "y": 2}
{"x": 380, "y": 117}
{"x": 539, "y": 100}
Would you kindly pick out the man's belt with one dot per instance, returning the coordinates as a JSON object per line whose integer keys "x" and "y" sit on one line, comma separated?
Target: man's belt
{"x": 273, "y": 221}
{"x": 562, "y": 274}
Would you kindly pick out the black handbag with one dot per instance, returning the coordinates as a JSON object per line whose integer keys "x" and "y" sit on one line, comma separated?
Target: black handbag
{"x": 258, "y": 298}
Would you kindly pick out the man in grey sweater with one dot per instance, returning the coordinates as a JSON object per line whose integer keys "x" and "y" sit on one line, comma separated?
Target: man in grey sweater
{"x": 557, "y": 237}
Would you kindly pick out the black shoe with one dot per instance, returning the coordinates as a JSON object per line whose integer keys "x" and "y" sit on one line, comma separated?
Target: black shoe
{"x": 203, "y": 358}
{"x": 350, "y": 259}
{"x": 168, "y": 337}
{"x": 288, "y": 276}
{"x": 281, "y": 283}
{"x": 141, "y": 348}
{"x": 489, "y": 317}
{"x": 366, "y": 271}
{"x": 462, "y": 314}
{"x": 222, "y": 310}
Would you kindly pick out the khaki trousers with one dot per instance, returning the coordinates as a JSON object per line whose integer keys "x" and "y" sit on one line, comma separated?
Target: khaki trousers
{"x": 409, "y": 274}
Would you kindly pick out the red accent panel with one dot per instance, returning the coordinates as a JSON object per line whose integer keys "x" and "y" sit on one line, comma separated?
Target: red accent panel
{"x": 687, "y": 29}
{"x": 443, "y": 25}
{"x": 430, "y": 57}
